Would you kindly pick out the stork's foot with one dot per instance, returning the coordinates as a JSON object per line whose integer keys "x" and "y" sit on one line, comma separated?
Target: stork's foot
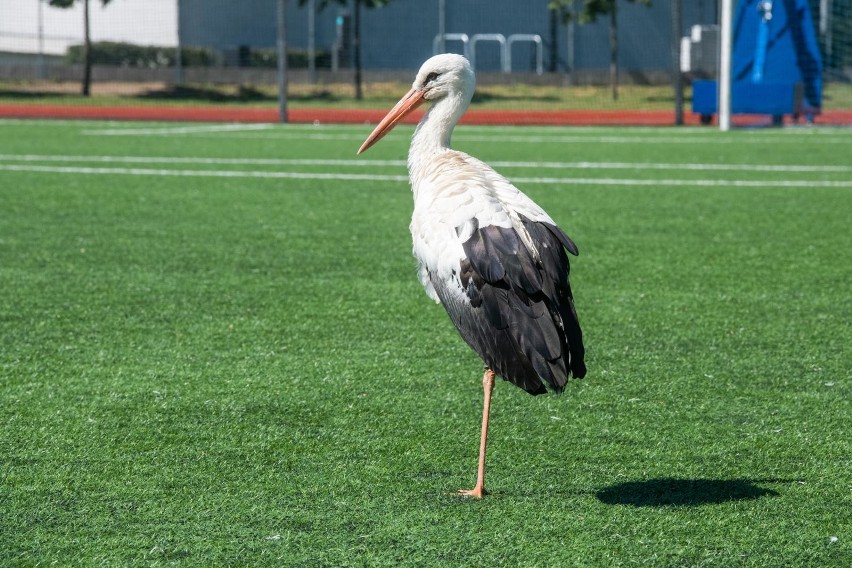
{"x": 477, "y": 492}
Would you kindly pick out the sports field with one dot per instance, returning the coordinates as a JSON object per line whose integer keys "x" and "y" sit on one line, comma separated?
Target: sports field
{"x": 214, "y": 351}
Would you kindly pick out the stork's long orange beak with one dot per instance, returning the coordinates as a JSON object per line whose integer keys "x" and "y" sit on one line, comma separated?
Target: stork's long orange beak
{"x": 410, "y": 101}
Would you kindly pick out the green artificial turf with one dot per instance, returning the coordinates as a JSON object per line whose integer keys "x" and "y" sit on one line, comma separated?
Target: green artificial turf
{"x": 201, "y": 370}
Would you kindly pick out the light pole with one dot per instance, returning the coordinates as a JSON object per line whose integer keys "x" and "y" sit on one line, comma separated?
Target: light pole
{"x": 282, "y": 60}
{"x": 725, "y": 65}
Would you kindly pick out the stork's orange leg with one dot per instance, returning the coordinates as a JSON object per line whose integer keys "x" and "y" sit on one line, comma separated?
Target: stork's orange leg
{"x": 479, "y": 490}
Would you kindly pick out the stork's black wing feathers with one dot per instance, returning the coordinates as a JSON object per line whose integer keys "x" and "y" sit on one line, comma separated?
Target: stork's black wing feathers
{"x": 515, "y": 310}
{"x": 563, "y": 238}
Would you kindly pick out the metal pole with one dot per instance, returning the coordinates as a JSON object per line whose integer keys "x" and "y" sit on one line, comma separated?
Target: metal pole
{"x": 571, "y": 51}
{"x": 41, "y": 69}
{"x": 442, "y": 25}
{"x": 677, "y": 24}
{"x": 282, "y": 61}
{"x": 178, "y": 51}
{"x": 725, "y": 21}
{"x": 356, "y": 45}
{"x": 312, "y": 50}
{"x": 87, "y": 51}
{"x": 825, "y": 29}
{"x": 554, "y": 46}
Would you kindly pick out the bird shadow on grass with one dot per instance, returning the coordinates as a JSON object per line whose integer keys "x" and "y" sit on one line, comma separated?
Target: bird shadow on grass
{"x": 665, "y": 492}
{"x": 685, "y": 492}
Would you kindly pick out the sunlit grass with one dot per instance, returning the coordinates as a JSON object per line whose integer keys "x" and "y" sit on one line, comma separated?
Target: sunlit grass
{"x": 208, "y": 371}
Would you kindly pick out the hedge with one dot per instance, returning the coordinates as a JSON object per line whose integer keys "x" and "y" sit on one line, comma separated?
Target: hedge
{"x": 149, "y": 56}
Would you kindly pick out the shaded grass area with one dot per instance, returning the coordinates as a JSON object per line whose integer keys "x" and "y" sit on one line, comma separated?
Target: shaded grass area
{"x": 836, "y": 96}
{"x": 202, "y": 371}
{"x": 376, "y": 95}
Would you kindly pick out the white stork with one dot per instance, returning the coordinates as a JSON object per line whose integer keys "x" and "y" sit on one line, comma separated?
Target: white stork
{"x": 489, "y": 254}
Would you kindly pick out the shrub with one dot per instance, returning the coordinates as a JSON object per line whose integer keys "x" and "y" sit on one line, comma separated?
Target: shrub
{"x": 131, "y": 55}
{"x": 123, "y": 54}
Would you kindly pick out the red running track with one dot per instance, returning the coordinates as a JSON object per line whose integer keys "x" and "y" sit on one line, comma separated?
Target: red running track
{"x": 372, "y": 116}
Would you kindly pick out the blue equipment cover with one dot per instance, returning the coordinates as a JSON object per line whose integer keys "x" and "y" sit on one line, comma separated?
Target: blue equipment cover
{"x": 776, "y": 68}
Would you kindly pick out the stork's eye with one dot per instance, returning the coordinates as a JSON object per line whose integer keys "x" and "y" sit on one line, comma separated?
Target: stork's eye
{"x": 431, "y": 77}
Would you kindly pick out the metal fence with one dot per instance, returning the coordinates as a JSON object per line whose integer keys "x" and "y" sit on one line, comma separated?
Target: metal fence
{"x": 539, "y": 58}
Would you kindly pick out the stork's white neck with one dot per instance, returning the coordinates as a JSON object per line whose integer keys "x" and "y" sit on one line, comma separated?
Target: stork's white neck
{"x": 433, "y": 133}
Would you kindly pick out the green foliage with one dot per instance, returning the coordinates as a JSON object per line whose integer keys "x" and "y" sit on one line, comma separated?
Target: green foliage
{"x": 296, "y": 58}
{"x": 322, "y": 4}
{"x": 242, "y": 370}
{"x": 131, "y": 55}
{"x": 589, "y": 11}
{"x": 69, "y": 3}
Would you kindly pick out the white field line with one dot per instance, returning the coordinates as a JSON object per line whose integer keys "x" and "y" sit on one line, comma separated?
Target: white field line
{"x": 472, "y": 133}
{"x": 111, "y": 126}
{"x": 171, "y": 130}
{"x": 550, "y": 139}
{"x": 198, "y": 160}
{"x": 786, "y": 168}
{"x": 795, "y": 131}
{"x": 467, "y": 134}
{"x": 198, "y": 173}
{"x": 401, "y": 178}
{"x": 673, "y": 166}
{"x": 663, "y": 139}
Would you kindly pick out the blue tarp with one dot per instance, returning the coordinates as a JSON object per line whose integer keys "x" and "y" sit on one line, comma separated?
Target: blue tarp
{"x": 776, "y": 66}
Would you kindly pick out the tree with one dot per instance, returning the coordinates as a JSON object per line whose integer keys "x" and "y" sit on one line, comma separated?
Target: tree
{"x": 356, "y": 36}
{"x": 588, "y": 13}
{"x": 87, "y": 40}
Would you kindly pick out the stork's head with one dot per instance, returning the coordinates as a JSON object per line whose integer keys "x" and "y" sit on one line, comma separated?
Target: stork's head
{"x": 443, "y": 76}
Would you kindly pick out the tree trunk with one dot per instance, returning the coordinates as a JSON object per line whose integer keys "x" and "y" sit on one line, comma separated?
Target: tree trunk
{"x": 356, "y": 39}
{"x": 87, "y": 51}
{"x": 281, "y": 51}
{"x": 554, "y": 38}
{"x": 613, "y": 51}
